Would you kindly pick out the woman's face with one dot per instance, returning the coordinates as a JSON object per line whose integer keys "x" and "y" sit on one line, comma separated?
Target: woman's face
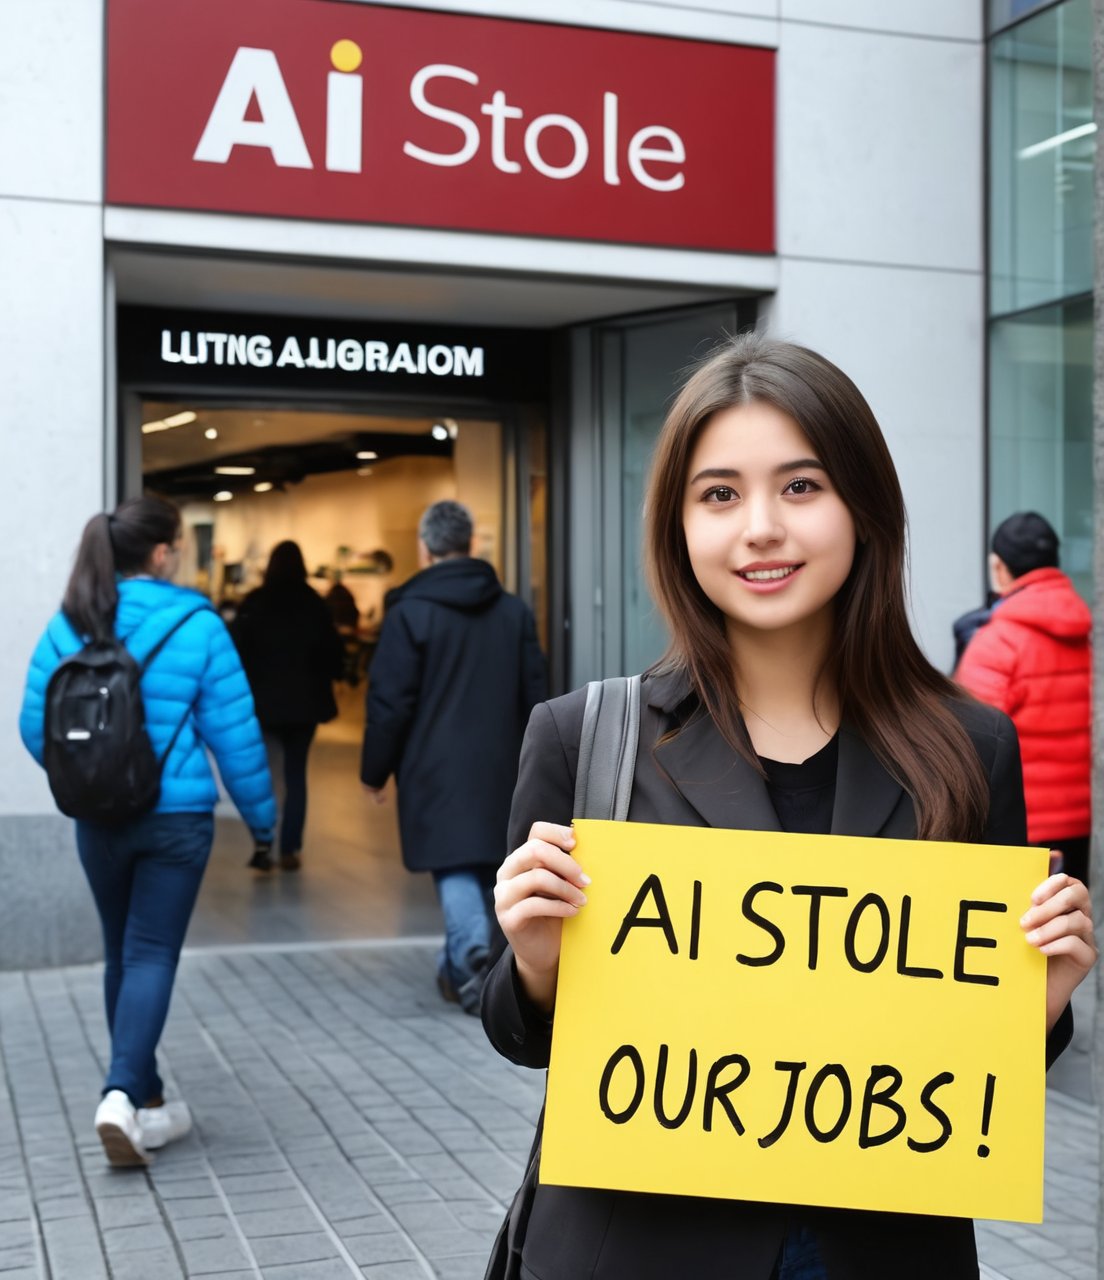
{"x": 770, "y": 540}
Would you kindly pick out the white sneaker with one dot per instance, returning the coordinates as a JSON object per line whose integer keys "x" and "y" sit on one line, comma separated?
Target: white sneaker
{"x": 163, "y": 1124}
{"x": 120, "y": 1133}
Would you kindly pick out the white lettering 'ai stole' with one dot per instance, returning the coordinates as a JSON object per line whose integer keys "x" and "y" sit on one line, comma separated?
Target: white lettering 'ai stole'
{"x": 255, "y": 76}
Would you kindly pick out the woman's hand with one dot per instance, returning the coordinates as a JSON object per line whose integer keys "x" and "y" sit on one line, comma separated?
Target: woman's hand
{"x": 539, "y": 885}
{"x": 1060, "y": 924}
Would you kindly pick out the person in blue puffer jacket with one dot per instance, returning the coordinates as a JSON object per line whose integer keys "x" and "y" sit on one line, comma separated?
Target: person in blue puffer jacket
{"x": 145, "y": 874}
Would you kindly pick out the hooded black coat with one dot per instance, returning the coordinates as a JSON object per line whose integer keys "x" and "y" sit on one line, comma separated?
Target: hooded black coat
{"x": 457, "y": 671}
{"x": 291, "y": 653}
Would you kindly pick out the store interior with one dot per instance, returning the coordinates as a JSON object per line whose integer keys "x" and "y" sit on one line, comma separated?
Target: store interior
{"x": 349, "y": 487}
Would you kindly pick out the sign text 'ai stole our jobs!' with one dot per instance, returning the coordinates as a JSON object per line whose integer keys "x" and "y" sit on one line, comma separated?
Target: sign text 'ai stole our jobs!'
{"x": 801, "y": 1019}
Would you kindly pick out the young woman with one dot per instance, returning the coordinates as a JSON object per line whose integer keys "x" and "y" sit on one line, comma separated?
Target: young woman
{"x": 292, "y": 654}
{"x": 145, "y": 873}
{"x": 793, "y": 697}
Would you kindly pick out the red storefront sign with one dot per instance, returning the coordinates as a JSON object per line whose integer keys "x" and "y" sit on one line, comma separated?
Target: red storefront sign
{"x": 361, "y": 113}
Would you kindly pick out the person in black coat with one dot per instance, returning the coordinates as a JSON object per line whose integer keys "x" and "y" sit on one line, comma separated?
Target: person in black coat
{"x": 291, "y": 653}
{"x": 342, "y": 606}
{"x": 793, "y": 697}
{"x": 457, "y": 670}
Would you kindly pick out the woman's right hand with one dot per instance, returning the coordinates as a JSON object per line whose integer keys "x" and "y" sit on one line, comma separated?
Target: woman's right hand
{"x": 539, "y": 885}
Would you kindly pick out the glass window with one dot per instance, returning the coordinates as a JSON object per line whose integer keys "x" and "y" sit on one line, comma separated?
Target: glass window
{"x": 1003, "y": 13}
{"x": 1040, "y": 413}
{"x": 1042, "y": 145}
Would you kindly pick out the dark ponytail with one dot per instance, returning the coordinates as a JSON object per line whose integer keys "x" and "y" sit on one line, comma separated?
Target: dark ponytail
{"x": 117, "y": 544}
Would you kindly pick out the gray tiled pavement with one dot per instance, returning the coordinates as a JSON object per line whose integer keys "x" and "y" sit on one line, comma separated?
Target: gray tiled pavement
{"x": 348, "y": 1124}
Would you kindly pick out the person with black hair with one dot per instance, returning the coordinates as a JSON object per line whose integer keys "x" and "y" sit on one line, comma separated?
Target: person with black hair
{"x": 145, "y": 872}
{"x": 342, "y": 606}
{"x": 1032, "y": 659}
{"x": 292, "y": 653}
{"x": 456, "y": 673}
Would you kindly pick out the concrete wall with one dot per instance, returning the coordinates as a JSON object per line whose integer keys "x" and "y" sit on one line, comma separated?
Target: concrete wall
{"x": 880, "y": 200}
{"x": 51, "y": 421}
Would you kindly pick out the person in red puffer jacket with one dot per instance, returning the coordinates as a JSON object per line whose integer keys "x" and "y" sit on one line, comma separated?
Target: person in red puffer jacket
{"x": 1033, "y": 660}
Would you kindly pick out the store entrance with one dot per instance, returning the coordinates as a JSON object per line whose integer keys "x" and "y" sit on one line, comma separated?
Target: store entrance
{"x": 348, "y": 485}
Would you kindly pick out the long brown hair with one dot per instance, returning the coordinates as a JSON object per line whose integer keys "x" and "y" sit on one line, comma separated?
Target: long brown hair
{"x": 888, "y": 690}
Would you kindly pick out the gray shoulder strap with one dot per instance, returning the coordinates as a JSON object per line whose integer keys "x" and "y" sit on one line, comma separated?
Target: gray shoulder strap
{"x": 607, "y": 748}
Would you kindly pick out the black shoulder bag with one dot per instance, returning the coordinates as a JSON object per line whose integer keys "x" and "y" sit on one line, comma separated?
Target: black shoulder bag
{"x": 603, "y": 786}
{"x": 99, "y": 760}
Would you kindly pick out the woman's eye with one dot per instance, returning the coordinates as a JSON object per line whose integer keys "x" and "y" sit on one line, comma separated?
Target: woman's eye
{"x": 719, "y": 493}
{"x": 800, "y": 486}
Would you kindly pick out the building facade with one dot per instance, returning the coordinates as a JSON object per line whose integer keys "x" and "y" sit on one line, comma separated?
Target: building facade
{"x": 1042, "y": 145}
{"x": 512, "y": 223}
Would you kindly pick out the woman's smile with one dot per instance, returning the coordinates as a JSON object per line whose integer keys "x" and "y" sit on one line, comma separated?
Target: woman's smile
{"x": 768, "y": 577}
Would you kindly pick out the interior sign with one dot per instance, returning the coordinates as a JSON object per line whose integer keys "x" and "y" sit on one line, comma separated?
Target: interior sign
{"x": 350, "y": 355}
{"x": 371, "y": 113}
{"x": 163, "y": 350}
{"x": 820, "y": 1020}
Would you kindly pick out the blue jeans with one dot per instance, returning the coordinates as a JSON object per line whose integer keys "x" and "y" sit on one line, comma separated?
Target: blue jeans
{"x": 288, "y": 746}
{"x": 144, "y": 877}
{"x": 800, "y": 1258}
{"x": 465, "y": 895}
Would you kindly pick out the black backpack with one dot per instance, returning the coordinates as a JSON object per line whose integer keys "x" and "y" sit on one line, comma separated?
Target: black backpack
{"x": 99, "y": 760}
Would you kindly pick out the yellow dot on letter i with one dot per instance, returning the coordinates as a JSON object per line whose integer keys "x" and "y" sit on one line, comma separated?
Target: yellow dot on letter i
{"x": 346, "y": 55}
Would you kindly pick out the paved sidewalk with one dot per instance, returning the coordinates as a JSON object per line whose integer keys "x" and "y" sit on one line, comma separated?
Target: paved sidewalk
{"x": 347, "y": 1124}
{"x": 1064, "y": 1244}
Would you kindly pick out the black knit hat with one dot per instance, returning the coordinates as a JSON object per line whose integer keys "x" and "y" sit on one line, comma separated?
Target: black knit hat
{"x": 1026, "y": 541}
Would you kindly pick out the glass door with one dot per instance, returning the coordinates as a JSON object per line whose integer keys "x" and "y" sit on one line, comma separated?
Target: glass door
{"x": 627, "y": 373}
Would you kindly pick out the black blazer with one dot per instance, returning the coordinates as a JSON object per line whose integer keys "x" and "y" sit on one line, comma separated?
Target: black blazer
{"x": 695, "y": 779}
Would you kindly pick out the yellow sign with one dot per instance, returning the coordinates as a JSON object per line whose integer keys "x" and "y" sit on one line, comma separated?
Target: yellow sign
{"x": 805, "y": 1019}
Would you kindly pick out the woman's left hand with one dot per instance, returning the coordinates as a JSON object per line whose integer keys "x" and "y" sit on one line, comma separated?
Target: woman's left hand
{"x": 1059, "y": 922}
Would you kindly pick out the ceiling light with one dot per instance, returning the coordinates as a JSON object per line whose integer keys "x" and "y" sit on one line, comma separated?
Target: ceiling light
{"x": 439, "y": 431}
{"x": 211, "y": 433}
{"x": 235, "y": 471}
{"x": 367, "y": 455}
{"x": 166, "y": 424}
{"x": 263, "y": 487}
{"x": 223, "y": 495}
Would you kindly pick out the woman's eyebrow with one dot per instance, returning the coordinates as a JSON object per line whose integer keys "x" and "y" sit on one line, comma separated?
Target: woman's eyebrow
{"x": 730, "y": 473}
{"x": 802, "y": 464}
{"x": 716, "y": 473}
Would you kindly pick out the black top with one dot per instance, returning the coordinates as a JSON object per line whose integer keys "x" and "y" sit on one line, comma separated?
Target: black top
{"x": 803, "y": 794}
{"x": 291, "y": 653}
